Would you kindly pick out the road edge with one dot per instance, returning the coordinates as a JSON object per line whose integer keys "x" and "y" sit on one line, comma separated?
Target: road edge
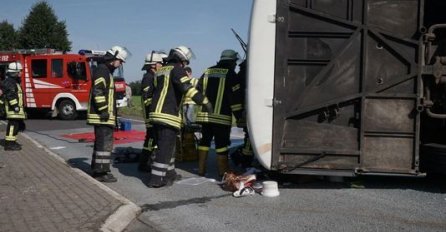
{"x": 118, "y": 220}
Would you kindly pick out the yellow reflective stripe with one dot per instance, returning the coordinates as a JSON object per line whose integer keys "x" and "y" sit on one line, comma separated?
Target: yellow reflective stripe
{"x": 146, "y": 89}
{"x": 9, "y": 138}
{"x": 166, "y": 116}
{"x": 13, "y": 102}
{"x": 148, "y": 101}
{"x": 203, "y": 148}
{"x": 96, "y": 121}
{"x": 220, "y": 93}
{"x": 220, "y": 150}
{"x": 100, "y": 80}
{"x": 96, "y": 116}
{"x": 163, "y": 94}
{"x": 111, "y": 95}
{"x": 166, "y": 121}
{"x": 236, "y": 107}
{"x": 194, "y": 81}
{"x": 191, "y": 92}
{"x": 205, "y": 84}
{"x": 184, "y": 79}
{"x": 235, "y": 87}
{"x": 216, "y": 71}
{"x": 213, "y": 120}
{"x": 11, "y": 131}
{"x": 99, "y": 99}
{"x": 102, "y": 108}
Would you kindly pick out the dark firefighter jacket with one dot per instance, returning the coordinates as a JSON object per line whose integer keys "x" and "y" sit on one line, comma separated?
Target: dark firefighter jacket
{"x": 13, "y": 97}
{"x": 220, "y": 85}
{"x": 147, "y": 87}
{"x": 171, "y": 85}
{"x": 102, "y": 97}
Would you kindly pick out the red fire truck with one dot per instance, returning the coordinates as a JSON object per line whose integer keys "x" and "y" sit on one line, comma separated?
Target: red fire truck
{"x": 58, "y": 82}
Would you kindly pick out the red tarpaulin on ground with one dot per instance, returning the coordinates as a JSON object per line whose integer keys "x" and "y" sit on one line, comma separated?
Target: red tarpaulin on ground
{"x": 120, "y": 137}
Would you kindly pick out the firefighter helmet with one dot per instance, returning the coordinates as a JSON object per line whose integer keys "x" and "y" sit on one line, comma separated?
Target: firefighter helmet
{"x": 182, "y": 53}
{"x": 153, "y": 58}
{"x": 14, "y": 67}
{"x": 229, "y": 54}
{"x": 120, "y": 53}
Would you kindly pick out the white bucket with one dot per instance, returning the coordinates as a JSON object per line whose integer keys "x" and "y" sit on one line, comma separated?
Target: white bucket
{"x": 270, "y": 189}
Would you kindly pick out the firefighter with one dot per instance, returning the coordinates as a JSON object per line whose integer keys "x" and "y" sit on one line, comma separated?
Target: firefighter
{"x": 171, "y": 85}
{"x": 152, "y": 63}
{"x": 102, "y": 112}
{"x": 13, "y": 100}
{"x": 219, "y": 84}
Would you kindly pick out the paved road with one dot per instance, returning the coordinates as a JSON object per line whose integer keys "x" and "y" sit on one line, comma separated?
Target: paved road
{"x": 304, "y": 204}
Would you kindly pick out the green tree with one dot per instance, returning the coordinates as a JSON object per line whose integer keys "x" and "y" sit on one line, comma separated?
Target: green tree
{"x": 41, "y": 29}
{"x": 136, "y": 88}
{"x": 8, "y": 36}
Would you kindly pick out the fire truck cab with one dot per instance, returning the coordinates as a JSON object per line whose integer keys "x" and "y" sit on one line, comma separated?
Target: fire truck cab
{"x": 55, "y": 81}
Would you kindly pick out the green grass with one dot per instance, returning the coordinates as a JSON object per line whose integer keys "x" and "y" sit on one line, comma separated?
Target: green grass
{"x": 134, "y": 111}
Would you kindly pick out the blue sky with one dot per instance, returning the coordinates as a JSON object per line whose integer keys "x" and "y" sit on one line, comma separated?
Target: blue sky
{"x": 145, "y": 25}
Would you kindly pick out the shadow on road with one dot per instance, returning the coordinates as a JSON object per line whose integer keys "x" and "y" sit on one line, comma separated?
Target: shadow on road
{"x": 431, "y": 183}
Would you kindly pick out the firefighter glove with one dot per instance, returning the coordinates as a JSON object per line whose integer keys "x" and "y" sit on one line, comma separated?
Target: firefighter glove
{"x": 208, "y": 107}
{"x": 104, "y": 116}
{"x": 16, "y": 109}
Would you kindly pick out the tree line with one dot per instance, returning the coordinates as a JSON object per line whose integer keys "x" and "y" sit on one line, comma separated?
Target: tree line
{"x": 40, "y": 29}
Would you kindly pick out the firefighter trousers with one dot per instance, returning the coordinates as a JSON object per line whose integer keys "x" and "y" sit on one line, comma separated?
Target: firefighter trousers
{"x": 148, "y": 146}
{"x": 103, "y": 146}
{"x": 221, "y": 134}
{"x": 12, "y": 129}
{"x": 163, "y": 166}
{"x": 150, "y": 140}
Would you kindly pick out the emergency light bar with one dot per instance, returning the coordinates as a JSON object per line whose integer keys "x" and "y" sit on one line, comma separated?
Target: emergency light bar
{"x": 91, "y": 52}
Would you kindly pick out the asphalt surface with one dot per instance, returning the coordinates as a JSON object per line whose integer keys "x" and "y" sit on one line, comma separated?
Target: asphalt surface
{"x": 304, "y": 204}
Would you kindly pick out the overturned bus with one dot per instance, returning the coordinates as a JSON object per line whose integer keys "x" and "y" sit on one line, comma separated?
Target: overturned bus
{"x": 348, "y": 87}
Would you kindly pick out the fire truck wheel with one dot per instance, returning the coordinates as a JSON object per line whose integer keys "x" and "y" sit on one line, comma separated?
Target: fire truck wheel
{"x": 67, "y": 110}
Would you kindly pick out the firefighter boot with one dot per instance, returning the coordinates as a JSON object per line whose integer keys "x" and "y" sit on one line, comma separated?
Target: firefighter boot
{"x": 106, "y": 177}
{"x": 222, "y": 163}
{"x": 12, "y": 146}
{"x": 172, "y": 176}
{"x": 144, "y": 158}
{"x": 202, "y": 160}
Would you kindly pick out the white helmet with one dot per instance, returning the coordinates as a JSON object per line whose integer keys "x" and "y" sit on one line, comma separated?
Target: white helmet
{"x": 14, "y": 67}
{"x": 184, "y": 53}
{"x": 153, "y": 58}
{"x": 229, "y": 55}
{"x": 120, "y": 53}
